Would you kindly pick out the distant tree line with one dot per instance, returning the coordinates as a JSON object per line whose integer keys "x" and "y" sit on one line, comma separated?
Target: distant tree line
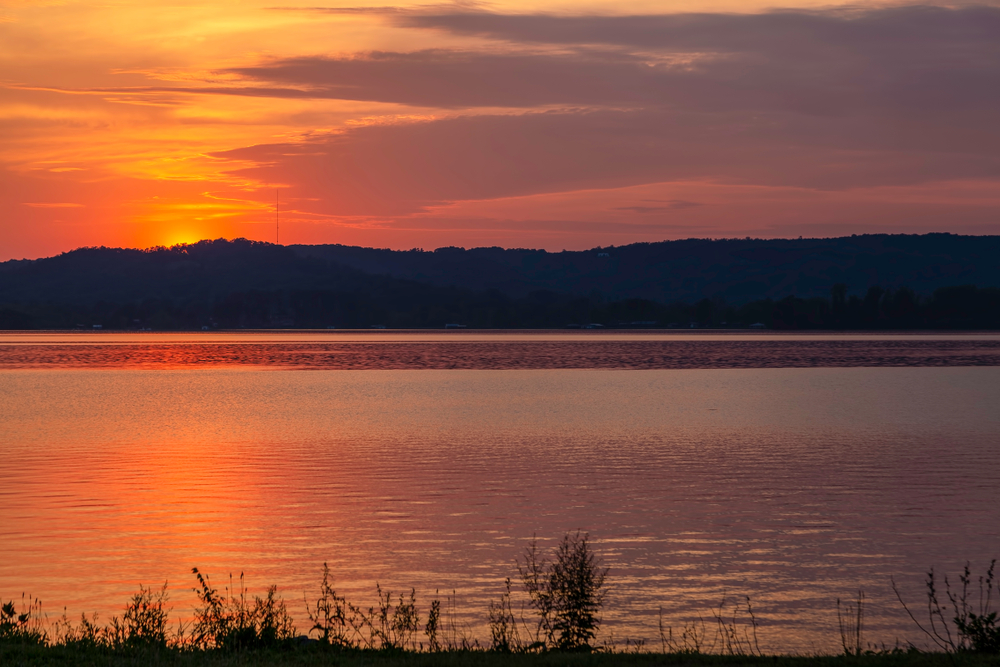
{"x": 402, "y": 304}
{"x": 957, "y": 307}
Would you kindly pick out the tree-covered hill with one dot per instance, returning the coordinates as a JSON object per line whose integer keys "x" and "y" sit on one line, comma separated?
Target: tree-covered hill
{"x": 871, "y": 282}
{"x": 737, "y": 270}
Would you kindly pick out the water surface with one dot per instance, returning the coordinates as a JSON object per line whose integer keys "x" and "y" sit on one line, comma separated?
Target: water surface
{"x": 794, "y": 485}
{"x": 370, "y": 350}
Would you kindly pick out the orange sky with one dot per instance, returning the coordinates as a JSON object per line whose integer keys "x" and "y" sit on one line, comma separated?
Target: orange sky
{"x": 557, "y": 124}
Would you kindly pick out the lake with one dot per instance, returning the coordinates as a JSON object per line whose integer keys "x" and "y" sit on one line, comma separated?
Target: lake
{"x": 795, "y": 469}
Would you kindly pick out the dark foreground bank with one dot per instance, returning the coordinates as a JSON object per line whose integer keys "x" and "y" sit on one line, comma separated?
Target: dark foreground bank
{"x": 307, "y": 655}
{"x": 557, "y": 624}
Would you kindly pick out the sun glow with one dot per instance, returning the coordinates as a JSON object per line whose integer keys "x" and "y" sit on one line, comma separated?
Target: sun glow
{"x": 181, "y": 237}
{"x": 141, "y": 124}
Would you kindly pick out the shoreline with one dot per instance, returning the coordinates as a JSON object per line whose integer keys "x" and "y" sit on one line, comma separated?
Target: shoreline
{"x": 308, "y": 655}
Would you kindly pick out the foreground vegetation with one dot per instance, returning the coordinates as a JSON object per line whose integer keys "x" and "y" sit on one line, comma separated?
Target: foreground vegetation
{"x": 307, "y": 656}
{"x": 557, "y": 622}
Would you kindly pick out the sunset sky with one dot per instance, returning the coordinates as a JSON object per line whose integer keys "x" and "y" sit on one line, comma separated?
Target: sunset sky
{"x": 550, "y": 124}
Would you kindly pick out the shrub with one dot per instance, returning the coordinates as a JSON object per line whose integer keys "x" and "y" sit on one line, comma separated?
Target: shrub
{"x": 433, "y": 627}
{"x": 387, "y": 626}
{"x": 231, "y": 622}
{"x": 24, "y": 627}
{"x": 143, "y": 625}
{"x": 87, "y": 635}
{"x": 144, "y": 622}
{"x": 566, "y": 594}
{"x": 976, "y": 626}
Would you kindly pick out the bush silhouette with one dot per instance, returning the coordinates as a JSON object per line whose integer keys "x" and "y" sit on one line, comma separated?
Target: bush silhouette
{"x": 566, "y": 594}
{"x": 977, "y": 627}
{"x": 232, "y": 621}
{"x": 24, "y": 627}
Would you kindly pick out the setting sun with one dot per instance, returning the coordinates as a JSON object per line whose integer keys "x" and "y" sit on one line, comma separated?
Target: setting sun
{"x": 182, "y": 238}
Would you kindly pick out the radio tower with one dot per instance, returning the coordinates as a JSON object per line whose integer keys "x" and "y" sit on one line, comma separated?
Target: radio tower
{"x": 276, "y": 217}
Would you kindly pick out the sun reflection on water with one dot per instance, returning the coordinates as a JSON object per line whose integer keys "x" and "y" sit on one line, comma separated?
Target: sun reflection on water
{"x": 794, "y": 486}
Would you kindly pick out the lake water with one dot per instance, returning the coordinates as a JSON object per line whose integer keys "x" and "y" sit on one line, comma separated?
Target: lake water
{"x": 793, "y": 469}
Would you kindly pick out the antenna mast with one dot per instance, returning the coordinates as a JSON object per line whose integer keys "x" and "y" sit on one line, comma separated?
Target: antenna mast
{"x": 276, "y": 217}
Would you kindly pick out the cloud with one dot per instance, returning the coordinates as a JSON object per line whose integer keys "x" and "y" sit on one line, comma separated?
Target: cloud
{"x": 826, "y": 100}
{"x": 882, "y": 30}
{"x": 388, "y": 170}
{"x": 381, "y": 133}
{"x": 462, "y": 79}
{"x": 387, "y": 9}
{"x": 670, "y": 204}
{"x": 901, "y": 63}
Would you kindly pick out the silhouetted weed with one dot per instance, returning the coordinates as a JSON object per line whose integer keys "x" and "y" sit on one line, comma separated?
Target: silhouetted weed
{"x": 736, "y": 635}
{"x": 85, "y": 635}
{"x": 564, "y": 596}
{"x": 329, "y": 615}
{"x": 735, "y": 632}
{"x": 690, "y": 640}
{"x": 24, "y": 626}
{"x": 232, "y": 622}
{"x": 144, "y": 622}
{"x": 851, "y": 621}
{"x": 504, "y": 635}
{"x": 392, "y": 624}
{"x": 433, "y": 626}
{"x": 143, "y": 625}
{"x": 976, "y": 626}
{"x": 388, "y": 625}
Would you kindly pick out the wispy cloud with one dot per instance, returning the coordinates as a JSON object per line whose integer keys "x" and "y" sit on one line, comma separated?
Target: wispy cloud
{"x": 814, "y": 99}
{"x": 388, "y": 9}
{"x": 402, "y": 169}
{"x": 670, "y": 205}
{"x": 910, "y": 61}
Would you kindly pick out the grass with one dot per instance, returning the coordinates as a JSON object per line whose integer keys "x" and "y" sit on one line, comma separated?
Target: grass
{"x": 308, "y": 655}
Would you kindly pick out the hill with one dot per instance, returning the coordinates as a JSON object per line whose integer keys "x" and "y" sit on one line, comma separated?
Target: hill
{"x": 736, "y": 270}
{"x": 881, "y": 282}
